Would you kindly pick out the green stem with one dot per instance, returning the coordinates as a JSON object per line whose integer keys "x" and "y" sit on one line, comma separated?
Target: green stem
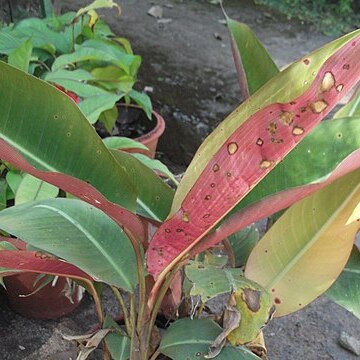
{"x": 134, "y": 345}
{"x": 200, "y": 310}
{"x": 124, "y": 311}
{"x": 157, "y": 303}
{"x": 98, "y": 306}
{"x": 155, "y": 355}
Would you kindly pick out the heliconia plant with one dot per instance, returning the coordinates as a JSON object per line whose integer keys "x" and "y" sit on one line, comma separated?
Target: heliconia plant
{"x": 129, "y": 229}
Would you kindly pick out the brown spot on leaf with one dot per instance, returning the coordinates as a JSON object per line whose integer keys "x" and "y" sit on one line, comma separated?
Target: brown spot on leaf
{"x": 297, "y": 130}
{"x": 43, "y": 256}
{"x": 232, "y": 148}
{"x": 179, "y": 230}
{"x": 346, "y": 66}
{"x": 286, "y": 117}
{"x": 212, "y": 185}
{"x": 207, "y": 197}
{"x": 252, "y": 299}
{"x": 259, "y": 142}
{"x": 206, "y": 216}
{"x": 185, "y": 217}
{"x": 339, "y": 88}
{"x": 327, "y": 82}
{"x": 276, "y": 141}
{"x": 277, "y": 300}
{"x": 318, "y": 106}
{"x": 306, "y": 61}
{"x": 168, "y": 231}
{"x": 265, "y": 164}
{"x": 272, "y": 128}
{"x": 216, "y": 168}
{"x": 228, "y": 174}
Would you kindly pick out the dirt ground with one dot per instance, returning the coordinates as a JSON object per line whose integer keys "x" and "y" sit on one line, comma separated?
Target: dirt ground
{"x": 187, "y": 61}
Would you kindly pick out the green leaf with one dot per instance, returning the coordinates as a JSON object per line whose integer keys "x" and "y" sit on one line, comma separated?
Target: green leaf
{"x": 142, "y": 100}
{"x": 253, "y": 63}
{"x": 308, "y": 247}
{"x": 243, "y": 242}
{"x": 352, "y": 108}
{"x": 31, "y": 188}
{"x": 20, "y": 57}
{"x": 190, "y": 339}
{"x": 108, "y": 118}
{"x": 157, "y": 166}
{"x": 13, "y": 179}
{"x": 75, "y": 82}
{"x": 154, "y": 196}
{"x": 93, "y": 106}
{"x": 211, "y": 281}
{"x": 346, "y": 290}
{"x": 98, "y": 51}
{"x": 3, "y": 193}
{"x": 78, "y": 233}
{"x": 9, "y": 42}
{"x": 47, "y": 8}
{"x": 113, "y": 78}
{"x": 121, "y": 143}
{"x": 98, "y": 4}
{"x": 47, "y": 128}
{"x": 5, "y": 245}
{"x": 41, "y": 35}
{"x": 77, "y": 75}
{"x": 117, "y": 342}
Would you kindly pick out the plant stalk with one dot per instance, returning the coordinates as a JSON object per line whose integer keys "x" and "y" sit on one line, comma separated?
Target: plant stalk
{"x": 124, "y": 310}
{"x": 134, "y": 344}
{"x": 158, "y": 298}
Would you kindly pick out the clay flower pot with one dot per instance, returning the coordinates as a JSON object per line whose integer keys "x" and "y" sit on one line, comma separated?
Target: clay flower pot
{"x": 133, "y": 123}
{"x": 49, "y": 302}
{"x": 150, "y": 139}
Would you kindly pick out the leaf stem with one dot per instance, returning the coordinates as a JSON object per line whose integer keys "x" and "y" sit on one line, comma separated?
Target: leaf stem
{"x": 124, "y": 310}
{"x": 134, "y": 345}
{"x": 158, "y": 298}
{"x": 155, "y": 355}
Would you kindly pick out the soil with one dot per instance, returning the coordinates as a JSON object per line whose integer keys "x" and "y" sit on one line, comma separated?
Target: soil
{"x": 187, "y": 61}
{"x": 131, "y": 123}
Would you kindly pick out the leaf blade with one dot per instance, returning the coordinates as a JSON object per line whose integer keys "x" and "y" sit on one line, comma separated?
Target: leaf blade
{"x": 314, "y": 234}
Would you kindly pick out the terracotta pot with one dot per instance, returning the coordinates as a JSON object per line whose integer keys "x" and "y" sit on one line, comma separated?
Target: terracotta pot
{"x": 151, "y": 138}
{"x": 48, "y": 303}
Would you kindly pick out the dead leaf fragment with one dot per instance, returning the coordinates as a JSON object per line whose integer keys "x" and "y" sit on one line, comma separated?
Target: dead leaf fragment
{"x": 232, "y": 318}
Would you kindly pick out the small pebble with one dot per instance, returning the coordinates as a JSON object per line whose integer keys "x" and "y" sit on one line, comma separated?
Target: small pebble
{"x": 22, "y": 347}
{"x": 156, "y": 11}
{"x": 217, "y": 36}
{"x": 350, "y": 343}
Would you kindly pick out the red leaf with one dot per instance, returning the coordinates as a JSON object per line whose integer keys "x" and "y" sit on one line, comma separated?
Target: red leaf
{"x": 70, "y": 94}
{"x": 248, "y": 155}
{"x": 84, "y": 191}
{"x": 272, "y": 204}
{"x": 38, "y": 262}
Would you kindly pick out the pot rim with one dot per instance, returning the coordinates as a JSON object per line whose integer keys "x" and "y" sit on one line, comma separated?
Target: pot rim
{"x": 156, "y": 132}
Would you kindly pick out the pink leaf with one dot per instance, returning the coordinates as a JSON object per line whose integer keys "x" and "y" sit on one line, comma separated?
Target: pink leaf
{"x": 248, "y": 155}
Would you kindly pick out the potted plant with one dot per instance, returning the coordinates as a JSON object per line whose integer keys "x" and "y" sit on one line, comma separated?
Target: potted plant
{"x": 80, "y": 55}
{"x": 244, "y": 171}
